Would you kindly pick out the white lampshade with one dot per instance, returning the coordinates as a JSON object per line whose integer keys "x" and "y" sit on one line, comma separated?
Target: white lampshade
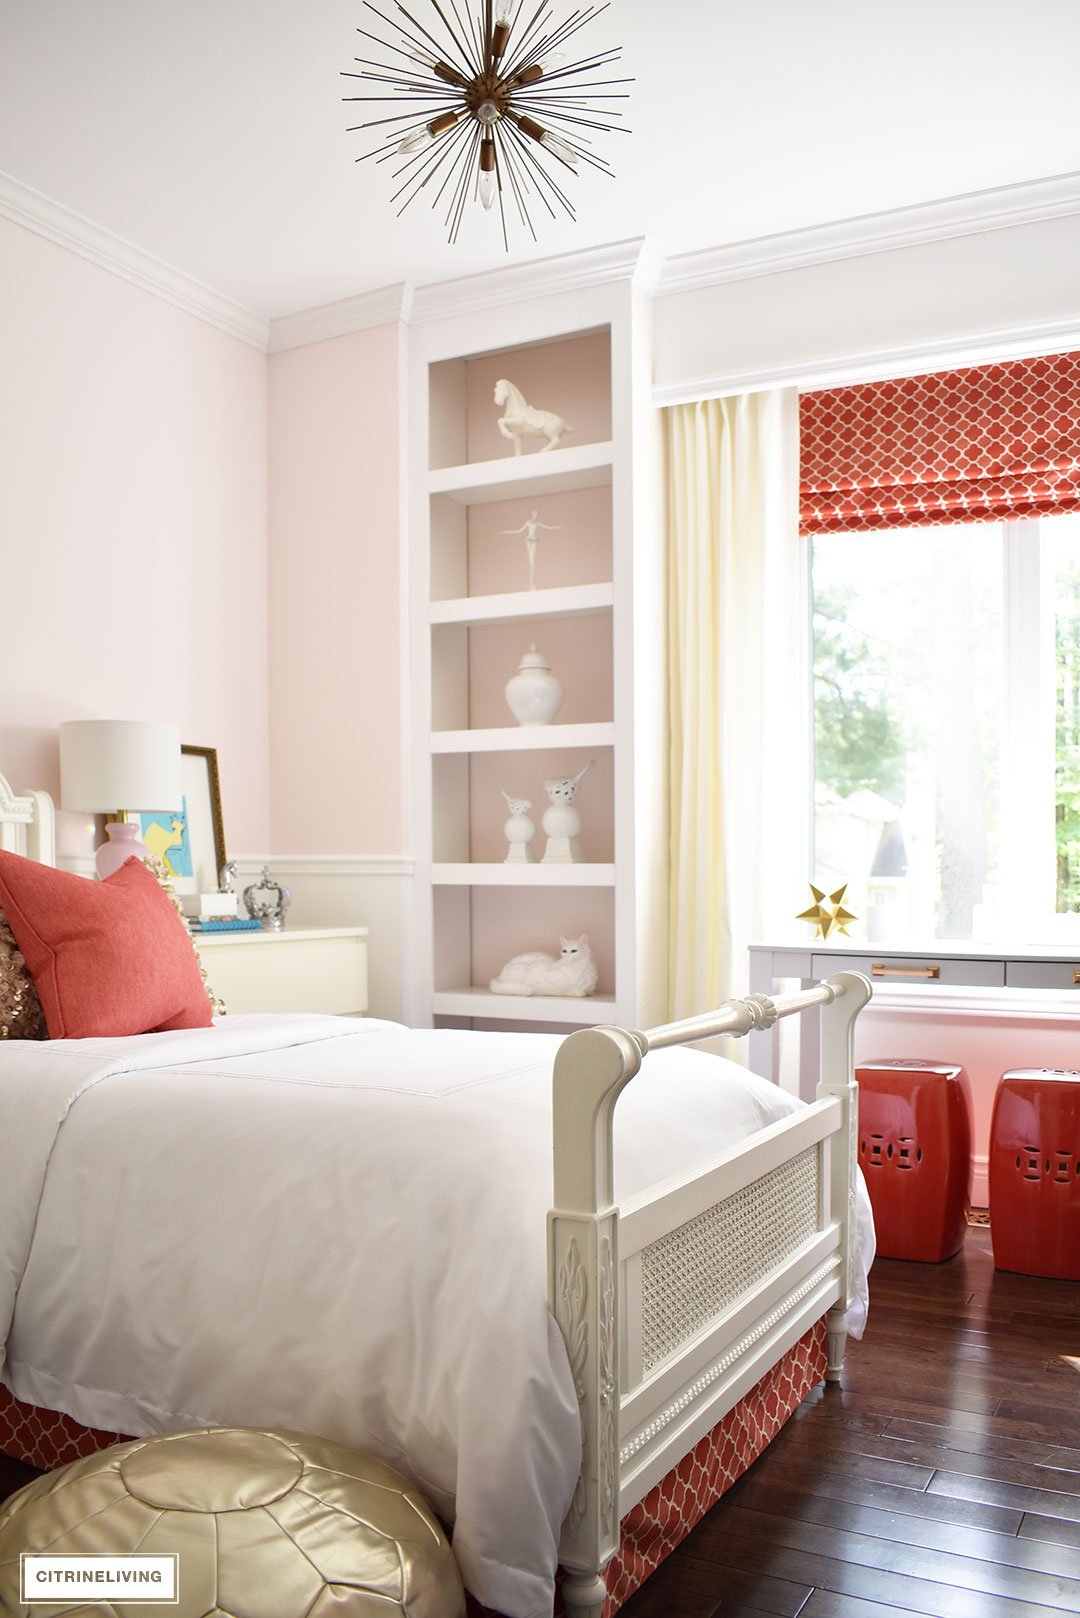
{"x": 108, "y": 765}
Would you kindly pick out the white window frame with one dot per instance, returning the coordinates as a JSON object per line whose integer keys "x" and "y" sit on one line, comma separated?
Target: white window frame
{"x": 1027, "y": 875}
{"x": 1026, "y": 842}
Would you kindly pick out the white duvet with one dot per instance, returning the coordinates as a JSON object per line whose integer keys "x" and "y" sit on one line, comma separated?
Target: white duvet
{"x": 331, "y": 1225}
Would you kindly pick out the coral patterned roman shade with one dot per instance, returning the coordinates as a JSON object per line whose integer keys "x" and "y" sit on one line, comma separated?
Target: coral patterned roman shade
{"x": 978, "y": 445}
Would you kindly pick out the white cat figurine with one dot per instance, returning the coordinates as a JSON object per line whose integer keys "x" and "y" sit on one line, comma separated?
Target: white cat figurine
{"x": 573, "y": 972}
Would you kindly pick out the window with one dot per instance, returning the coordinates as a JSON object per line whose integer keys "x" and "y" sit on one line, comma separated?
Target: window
{"x": 947, "y": 728}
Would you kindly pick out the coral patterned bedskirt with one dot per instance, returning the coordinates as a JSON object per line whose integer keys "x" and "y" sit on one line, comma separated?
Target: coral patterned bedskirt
{"x": 650, "y": 1532}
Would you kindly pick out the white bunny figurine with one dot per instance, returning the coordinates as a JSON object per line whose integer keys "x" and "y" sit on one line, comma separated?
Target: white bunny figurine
{"x": 519, "y": 831}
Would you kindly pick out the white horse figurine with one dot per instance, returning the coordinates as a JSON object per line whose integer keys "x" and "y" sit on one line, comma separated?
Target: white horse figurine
{"x": 520, "y": 420}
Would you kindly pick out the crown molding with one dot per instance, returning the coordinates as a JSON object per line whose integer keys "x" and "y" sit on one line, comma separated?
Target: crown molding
{"x": 542, "y": 278}
{"x": 883, "y": 364}
{"x": 969, "y": 214}
{"x": 24, "y": 206}
{"x": 965, "y": 215}
{"x": 381, "y": 307}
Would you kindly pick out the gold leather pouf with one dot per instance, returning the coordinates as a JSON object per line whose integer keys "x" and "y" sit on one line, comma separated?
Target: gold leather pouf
{"x": 265, "y": 1524}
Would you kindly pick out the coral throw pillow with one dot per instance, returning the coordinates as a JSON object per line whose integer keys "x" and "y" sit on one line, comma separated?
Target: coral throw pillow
{"x": 107, "y": 958}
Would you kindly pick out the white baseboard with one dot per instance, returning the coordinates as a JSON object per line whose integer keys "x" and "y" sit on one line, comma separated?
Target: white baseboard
{"x": 980, "y": 1180}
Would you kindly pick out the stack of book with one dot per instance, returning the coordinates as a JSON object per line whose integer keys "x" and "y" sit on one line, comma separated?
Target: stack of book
{"x": 224, "y": 924}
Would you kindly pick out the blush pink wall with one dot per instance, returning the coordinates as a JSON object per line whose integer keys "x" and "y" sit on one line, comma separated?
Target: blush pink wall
{"x": 133, "y": 517}
{"x": 335, "y": 618}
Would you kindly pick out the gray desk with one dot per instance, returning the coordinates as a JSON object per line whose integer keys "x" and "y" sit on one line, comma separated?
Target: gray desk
{"x": 945, "y": 964}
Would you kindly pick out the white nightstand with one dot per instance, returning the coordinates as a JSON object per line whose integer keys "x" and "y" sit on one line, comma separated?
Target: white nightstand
{"x": 299, "y": 969}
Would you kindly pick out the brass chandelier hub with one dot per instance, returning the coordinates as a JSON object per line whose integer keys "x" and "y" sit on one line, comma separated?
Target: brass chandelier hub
{"x": 487, "y": 89}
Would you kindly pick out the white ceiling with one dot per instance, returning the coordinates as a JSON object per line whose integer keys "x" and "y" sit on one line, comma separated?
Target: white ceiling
{"x": 212, "y": 133}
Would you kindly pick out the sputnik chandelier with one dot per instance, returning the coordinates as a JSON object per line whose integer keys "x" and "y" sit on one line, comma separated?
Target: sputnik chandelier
{"x": 496, "y": 109}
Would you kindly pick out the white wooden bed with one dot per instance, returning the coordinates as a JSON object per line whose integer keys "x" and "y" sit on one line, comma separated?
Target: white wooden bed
{"x": 675, "y": 1304}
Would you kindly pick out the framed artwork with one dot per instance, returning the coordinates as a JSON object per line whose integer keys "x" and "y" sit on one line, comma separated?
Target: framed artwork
{"x": 190, "y": 840}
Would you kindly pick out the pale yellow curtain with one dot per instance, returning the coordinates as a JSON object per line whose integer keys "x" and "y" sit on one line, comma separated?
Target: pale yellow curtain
{"x": 739, "y": 688}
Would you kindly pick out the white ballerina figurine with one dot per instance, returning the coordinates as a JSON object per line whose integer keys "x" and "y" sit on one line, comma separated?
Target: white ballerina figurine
{"x": 572, "y": 972}
{"x": 519, "y": 420}
{"x": 561, "y": 820}
{"x": 531, "y": 531}
{"x": 519, "y": 831}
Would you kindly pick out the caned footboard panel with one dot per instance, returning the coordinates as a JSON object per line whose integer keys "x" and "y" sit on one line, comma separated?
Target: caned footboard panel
{"x": 720, "y": 1273}
{"x": 698, "y": 1270}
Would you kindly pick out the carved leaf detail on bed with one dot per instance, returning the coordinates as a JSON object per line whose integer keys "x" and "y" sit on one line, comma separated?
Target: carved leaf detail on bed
{"x": 572, "y": 1301}
{"x": 608, "y": 1400}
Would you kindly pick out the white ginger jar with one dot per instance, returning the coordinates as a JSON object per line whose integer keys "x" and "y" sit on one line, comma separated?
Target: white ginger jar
{"x": 534, "y": 696}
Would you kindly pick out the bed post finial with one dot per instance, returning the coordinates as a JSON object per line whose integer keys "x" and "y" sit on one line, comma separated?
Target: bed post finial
{"x": 584, "y": 1594}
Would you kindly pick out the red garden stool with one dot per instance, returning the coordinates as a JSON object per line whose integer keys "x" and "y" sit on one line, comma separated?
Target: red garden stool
{"x": 1035, "y": 1173}
{"x": 915, "y": 1154}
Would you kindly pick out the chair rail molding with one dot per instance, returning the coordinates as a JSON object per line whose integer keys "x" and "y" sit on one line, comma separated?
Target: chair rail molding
{"x": 352, "y": 890}
{"x": 300, "y": 865}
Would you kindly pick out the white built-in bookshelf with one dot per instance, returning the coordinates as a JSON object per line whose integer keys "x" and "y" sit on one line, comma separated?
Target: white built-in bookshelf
{"x": 596, "y": 612}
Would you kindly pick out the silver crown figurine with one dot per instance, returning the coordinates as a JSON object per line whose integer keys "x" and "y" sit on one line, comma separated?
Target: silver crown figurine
{"x": 266, "y": 901}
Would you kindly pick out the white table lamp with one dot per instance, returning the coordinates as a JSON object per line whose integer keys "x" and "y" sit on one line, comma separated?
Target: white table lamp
{"x": 115, "y": 766}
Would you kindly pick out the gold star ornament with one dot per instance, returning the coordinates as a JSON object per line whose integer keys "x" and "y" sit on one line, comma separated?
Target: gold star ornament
{"x": 827, "y": 912}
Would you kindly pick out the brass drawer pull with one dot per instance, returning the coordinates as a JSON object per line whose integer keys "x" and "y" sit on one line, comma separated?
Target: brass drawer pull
{"x": 1076, "y": 976}
{"x": 879, "y": 969}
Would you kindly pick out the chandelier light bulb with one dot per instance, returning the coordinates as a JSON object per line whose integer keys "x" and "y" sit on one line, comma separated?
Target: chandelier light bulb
{"x": 417, "y": 142}
{"x": 559, "y": 149}
{"x": 487, "y": 112}
{"x": 424, "y": 137}
{"x": 500, "y": 29}
{"x": 488, "y": 187}
{"x": 537, "y": 70}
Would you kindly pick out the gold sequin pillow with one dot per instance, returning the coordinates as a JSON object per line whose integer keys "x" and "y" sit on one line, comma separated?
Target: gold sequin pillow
{"x": 21, "y": 1016}
{"x": 161, "y": 871}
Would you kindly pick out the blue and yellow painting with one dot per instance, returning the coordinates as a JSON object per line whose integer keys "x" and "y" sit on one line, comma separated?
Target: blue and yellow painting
{"x": 165, "y": 834}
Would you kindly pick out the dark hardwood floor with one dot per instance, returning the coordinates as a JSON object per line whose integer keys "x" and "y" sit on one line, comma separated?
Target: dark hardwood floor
{"x": 942, "y": 1478}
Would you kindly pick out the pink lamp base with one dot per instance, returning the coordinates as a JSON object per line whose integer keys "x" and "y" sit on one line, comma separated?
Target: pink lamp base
{"x": 123, "y": 842}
